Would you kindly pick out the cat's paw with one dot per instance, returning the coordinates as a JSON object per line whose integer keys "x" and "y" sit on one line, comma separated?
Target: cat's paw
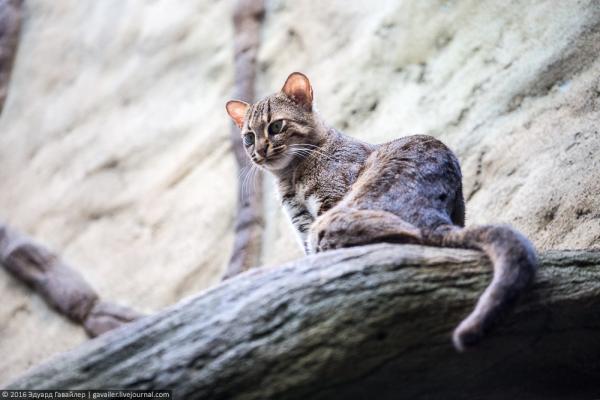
{"x": 321, "y": 240}
{"x": 326, "y": 233}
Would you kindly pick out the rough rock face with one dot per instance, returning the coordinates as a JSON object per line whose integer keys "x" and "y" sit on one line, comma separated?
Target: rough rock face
{"x": 115, "y": 153}
{"x": 114, "y": 140}
{"x": 512, "y": 87}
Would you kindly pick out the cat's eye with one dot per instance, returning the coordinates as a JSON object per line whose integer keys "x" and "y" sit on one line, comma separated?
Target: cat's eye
{"x": 276, "y": 127}
{"x": 248, "y": 139}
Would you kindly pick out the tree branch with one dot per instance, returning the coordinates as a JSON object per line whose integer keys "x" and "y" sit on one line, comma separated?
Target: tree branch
{"x": 365, "y": 322}
{"x": 60, "y": 285}
{"x": 10, "y": 27}
{"x": 247, "y": 19}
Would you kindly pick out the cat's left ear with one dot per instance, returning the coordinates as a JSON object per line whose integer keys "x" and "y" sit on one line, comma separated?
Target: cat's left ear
{"x": 237, "y": 110}
{"x": 297, "y": 87}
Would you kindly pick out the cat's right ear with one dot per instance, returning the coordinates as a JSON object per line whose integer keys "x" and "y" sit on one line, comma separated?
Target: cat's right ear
{"x": 297, "y": 87}
{"x": 237, "y": 110}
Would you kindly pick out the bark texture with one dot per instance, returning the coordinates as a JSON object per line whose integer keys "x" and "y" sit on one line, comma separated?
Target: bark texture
{"x": 365, "y": 322}
{"x": 10, "y": 26}
{"x": 247, "y": 18}
{"x": 60, "y": 285}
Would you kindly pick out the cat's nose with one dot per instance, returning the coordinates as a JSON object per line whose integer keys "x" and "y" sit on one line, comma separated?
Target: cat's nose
{"x": 262, "y": 150}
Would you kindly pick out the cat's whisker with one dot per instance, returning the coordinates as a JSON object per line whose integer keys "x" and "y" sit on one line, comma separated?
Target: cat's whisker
{"x": 242, "y": 171}
{"x": 251, "y": 180}
{"x": 311, "y": 150}
{"x": 242, "y": 176}
{"x": 302, "y": 153}
{"x": 301, "y": 149}
{"x": 305, "y": 145}
{"x": 248, "y": 178}
{"x": 254, "y": 180}
{"x": 243, "y": 181}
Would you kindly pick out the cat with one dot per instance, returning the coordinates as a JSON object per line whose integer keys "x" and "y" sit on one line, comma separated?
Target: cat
{"x": 341, "y": 192}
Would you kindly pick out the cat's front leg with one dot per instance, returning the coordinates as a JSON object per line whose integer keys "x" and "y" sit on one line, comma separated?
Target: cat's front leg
{"x": 301, "y": 219}
{"x": 346, "y": 227}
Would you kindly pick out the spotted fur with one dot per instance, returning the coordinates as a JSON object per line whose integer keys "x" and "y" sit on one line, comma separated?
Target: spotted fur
{"x": 340, "y": 192}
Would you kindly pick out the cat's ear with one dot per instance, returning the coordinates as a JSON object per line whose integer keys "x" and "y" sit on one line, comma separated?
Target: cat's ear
{"x": 297, "y": 87}
{"x": 237, "y": 110}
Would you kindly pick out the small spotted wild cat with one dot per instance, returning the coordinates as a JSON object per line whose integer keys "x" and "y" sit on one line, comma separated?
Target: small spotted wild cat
{"x": 340, "y": 192}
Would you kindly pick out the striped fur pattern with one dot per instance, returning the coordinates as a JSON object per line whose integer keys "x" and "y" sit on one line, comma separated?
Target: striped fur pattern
{"x": 340, "y": 192}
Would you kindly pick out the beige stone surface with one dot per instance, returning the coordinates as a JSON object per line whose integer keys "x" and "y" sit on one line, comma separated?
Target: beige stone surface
{"x": 115, "y": 153}
{"x": 512, "y": 87}
{"x": 114, "y": 146}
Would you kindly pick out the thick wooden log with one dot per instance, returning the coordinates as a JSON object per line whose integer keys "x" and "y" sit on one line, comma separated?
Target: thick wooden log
{"x": 366, "y": 322}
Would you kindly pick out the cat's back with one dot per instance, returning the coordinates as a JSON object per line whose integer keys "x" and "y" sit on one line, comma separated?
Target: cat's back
{"x": 416, "y": 155}
{"x": 421, "y": 147}
{"x": 415, "y": 177}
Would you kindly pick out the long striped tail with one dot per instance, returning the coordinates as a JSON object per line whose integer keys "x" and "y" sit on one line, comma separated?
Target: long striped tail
{"x": 515, "y": 263}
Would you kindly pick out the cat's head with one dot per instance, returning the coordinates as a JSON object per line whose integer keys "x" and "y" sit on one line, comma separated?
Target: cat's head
{"x": 279, "y": 128}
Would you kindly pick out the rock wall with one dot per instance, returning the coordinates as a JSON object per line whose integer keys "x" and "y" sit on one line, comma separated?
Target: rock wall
{"x": 115, "y": 153}
{"x": 114, "y": 140}
{"x": 512, "y": 87}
